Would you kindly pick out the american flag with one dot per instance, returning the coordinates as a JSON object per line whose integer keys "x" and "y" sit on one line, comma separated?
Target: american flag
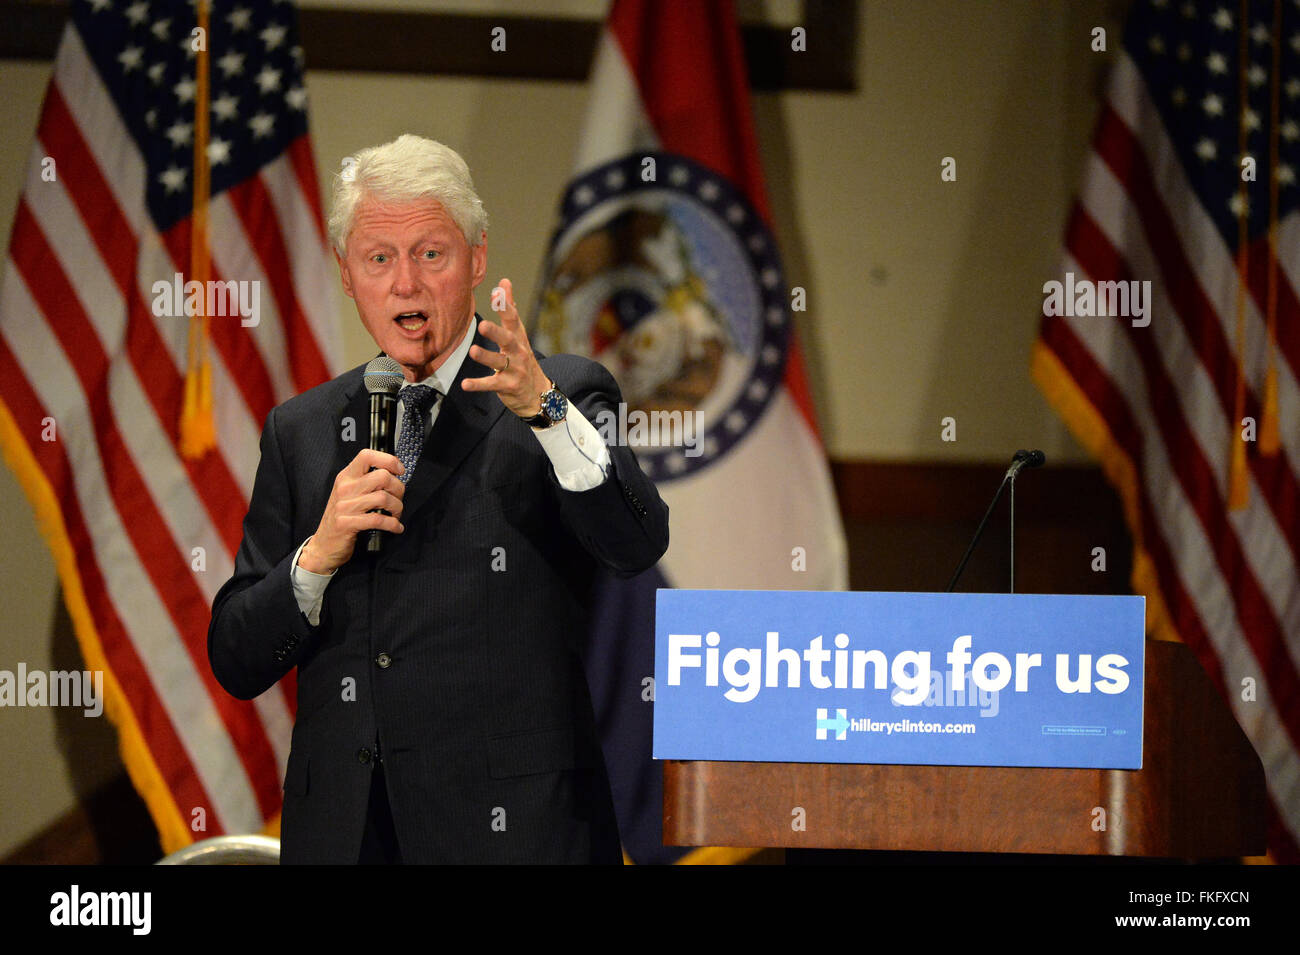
{"x": 1191, "y": 185}
{"x": 94, "y": 361}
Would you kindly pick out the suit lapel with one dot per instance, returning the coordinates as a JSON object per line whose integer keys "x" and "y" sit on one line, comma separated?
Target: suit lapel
{"x": 356, "y": 406}
{"x": 464, "y": 419}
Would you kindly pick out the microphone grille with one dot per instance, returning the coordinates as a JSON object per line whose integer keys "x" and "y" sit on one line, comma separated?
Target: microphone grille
{"x": 384, "y": 376}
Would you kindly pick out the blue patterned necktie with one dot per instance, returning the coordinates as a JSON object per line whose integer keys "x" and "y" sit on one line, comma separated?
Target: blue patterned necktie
{"x": 416, "y": 401}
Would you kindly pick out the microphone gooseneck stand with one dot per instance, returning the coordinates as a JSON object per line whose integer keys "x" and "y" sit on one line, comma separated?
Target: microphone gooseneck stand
{"x": 1023, "y": 459}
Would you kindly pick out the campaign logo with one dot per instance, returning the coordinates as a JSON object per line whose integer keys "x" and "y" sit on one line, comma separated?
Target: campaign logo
{"x": 662, "y": 271}
{"x": 839, "y": 725}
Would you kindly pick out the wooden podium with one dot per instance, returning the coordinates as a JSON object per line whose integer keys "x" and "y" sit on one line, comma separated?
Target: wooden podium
{"x": 1200, "y": 793}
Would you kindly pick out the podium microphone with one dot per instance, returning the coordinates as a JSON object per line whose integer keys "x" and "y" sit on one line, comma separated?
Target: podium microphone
{"x": 1021, "y": 460}
{"x": 383, "y": 380}
{"x": 1025, "y": 459}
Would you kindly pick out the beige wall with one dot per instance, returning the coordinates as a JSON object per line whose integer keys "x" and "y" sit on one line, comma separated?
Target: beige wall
{"x": 923, "y": 294}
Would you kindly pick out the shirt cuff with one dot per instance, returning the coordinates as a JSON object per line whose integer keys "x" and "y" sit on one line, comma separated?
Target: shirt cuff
{"x": 577, "y": 452}
{"x": 308, "y": 588}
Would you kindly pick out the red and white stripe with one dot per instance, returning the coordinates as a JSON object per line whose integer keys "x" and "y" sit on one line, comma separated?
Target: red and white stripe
{"x": 1230, "y": 579}
{"x": 80, "y": 343}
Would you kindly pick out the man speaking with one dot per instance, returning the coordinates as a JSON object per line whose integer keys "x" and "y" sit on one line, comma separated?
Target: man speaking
{"x": 443, "y": 714}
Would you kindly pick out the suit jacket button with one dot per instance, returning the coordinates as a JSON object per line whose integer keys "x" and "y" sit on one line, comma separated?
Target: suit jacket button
{"x": 363, "y": 755}
{"x": 383, "y": 661}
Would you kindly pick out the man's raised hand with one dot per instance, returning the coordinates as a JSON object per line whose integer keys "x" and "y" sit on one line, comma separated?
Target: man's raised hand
{"x": 519, "y": 380}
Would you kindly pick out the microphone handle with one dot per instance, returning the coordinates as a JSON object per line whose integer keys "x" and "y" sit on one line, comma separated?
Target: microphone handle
{"x": 383, "y": 422}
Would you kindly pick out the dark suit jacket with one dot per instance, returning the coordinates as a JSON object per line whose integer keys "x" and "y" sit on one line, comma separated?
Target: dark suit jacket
{"x": 479, "y": 609}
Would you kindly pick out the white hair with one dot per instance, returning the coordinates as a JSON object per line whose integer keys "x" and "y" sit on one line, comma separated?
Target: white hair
{"x": 408, "y": 168}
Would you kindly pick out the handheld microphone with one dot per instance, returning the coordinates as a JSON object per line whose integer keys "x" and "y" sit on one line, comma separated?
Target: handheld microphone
{"x": 383, "y": 380}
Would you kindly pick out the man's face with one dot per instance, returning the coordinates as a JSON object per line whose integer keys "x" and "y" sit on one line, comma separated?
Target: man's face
{"x": 412, "y": 275}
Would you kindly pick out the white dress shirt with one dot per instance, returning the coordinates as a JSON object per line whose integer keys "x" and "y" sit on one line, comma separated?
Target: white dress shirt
{"x": 577, "y": 452}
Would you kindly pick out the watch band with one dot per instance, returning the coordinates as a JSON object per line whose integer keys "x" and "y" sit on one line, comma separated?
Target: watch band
{"x": 555, "y": 406}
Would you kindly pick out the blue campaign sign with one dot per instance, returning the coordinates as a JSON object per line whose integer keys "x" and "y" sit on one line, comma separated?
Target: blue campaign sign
{"x": 944, "y": 679}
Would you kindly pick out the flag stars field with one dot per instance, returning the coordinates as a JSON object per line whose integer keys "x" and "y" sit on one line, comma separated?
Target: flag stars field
{"x": 173, "y": 178}
{"x": 131, "y": 58}
{"x": 262, "y": 125}
{"x": 268, "y": 81}
{"x": 240, "y": 19}
{"x": 137, "y": 13}
{"x": 225, "y": 107}
{"x": 231, "y": 64}
{"x": 218, "y": 151}
{"x": 272, "y": 36}
{"x": 180, "y": 134}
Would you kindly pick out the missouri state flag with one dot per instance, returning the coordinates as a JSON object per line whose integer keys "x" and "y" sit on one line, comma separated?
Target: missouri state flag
{"x": 663, "y": 266}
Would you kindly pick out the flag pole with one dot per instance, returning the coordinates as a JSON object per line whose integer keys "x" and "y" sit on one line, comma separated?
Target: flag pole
{"x": 197, "y": 429}
{"x": 1238, "y": 472}
{"x": 1270, "y": 438}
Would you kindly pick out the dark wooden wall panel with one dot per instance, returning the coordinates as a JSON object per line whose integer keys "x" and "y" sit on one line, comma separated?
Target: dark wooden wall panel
{"x": 908, "y": 525}
{"x": 363, "y": 39}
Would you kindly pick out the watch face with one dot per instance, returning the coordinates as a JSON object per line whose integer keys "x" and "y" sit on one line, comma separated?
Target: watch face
{"x": 554, "y": 405}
